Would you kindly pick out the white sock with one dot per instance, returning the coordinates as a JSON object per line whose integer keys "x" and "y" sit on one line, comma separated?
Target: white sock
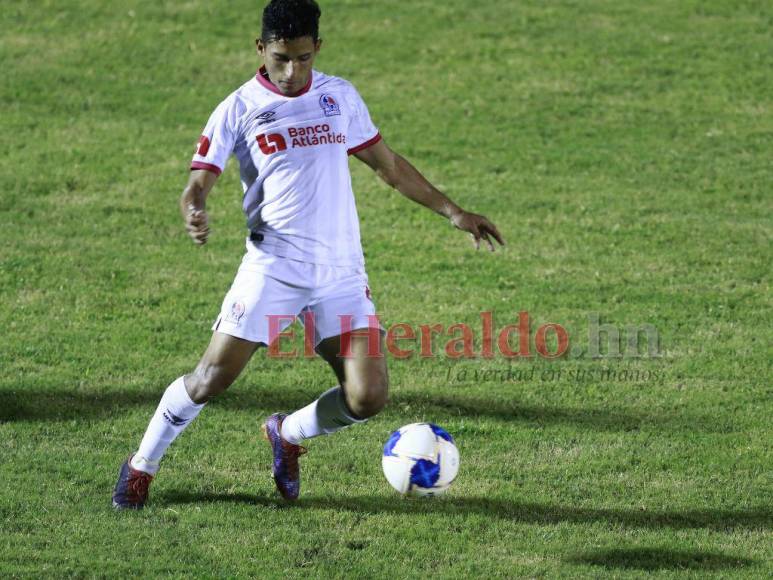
{"x": 326, "y": 415}
{"x": 175, "y": 411}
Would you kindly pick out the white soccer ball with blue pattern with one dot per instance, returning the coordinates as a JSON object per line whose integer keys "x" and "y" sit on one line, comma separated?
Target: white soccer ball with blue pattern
{"x": 420, "y": 459}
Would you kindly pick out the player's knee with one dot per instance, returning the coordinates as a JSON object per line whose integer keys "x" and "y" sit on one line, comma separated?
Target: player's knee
{"x": 207, "y": 381}
{"x": 369, "y": 401}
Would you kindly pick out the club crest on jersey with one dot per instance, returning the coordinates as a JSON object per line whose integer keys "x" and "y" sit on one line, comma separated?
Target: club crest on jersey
{"x": 329, "y": 106}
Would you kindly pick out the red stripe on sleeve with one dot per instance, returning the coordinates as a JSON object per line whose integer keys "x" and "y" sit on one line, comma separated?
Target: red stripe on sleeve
{"x": 206, "y": 166}
{"x": 365, "y": 145}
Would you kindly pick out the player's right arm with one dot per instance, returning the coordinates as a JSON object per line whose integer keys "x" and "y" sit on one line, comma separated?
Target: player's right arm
{"x": 193, "y": 204}
{"x": 212, "y": 152}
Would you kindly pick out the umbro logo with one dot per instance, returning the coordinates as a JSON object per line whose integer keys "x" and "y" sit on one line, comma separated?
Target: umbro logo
{"x": 265, "y": 117}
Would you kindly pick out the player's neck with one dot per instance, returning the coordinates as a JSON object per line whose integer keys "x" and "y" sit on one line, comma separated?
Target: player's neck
{"x": 263, "y": 78}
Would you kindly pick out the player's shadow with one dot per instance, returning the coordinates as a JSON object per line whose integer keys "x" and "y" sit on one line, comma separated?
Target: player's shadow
{"x": 57, "y": 404}
{"x": 524, "y": 512}
{"x": 61, "y": 404}
{"x": 658, "y": 559}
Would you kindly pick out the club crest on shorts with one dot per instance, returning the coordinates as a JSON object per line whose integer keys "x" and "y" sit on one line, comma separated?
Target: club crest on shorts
{"x": 236, "y": 312}
{"x": 329, "y": 105}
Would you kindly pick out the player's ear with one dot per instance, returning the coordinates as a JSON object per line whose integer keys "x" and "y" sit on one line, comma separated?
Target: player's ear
{"x": 260, "y": 46}
{"x": 318, "y": 45}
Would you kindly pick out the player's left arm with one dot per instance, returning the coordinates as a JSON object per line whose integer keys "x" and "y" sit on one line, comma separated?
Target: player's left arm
{"x": 398, "y": 173}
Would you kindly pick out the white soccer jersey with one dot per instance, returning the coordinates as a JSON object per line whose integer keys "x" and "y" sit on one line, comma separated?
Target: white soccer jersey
{"x": 292, "y": 154}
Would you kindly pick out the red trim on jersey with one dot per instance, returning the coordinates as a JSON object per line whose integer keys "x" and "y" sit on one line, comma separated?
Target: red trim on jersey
{"x": 203, "y": 147}
{"x": 365, "y": 145}
{"x": 206, "y": 166}
{"x": 262, "y": 78}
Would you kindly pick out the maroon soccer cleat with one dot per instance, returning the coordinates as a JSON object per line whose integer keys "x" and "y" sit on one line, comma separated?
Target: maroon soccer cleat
{"x": 287, "y": 475}
{"x": 131, "y": 491}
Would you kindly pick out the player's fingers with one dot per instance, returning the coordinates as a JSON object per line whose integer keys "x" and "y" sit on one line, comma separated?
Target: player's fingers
{"x": 197, "y": 222}
{"x": 194, "y": 211}
{"x": 198, "y": 233}
{"x": 193, "y": 229}
{"x": 492, "y": 229}
{"x": 196, "y": 216}
{"x": 197, "y": 219}
{"x": 486, "y": 237}
{"x": 488, "y": 228}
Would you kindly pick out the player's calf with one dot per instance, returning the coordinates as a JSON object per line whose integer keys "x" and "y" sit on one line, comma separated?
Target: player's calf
{"x": 225, "y": 358}
{"x": 208, "y": 381}
{"x": 365, "y": 401}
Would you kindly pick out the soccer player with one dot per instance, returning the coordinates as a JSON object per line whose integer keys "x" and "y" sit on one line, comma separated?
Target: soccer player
{"x": 292, "y": 129}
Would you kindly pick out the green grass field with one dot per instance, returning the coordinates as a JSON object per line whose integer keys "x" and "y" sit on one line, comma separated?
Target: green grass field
{"x": 624, "y": 150}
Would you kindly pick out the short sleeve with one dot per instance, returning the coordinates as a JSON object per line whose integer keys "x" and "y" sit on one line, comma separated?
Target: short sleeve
{"x": 361, "y": 132}
{"x": 217, "y": 140}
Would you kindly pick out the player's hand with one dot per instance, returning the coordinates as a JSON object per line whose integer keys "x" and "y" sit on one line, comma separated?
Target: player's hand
{"x": 197, "y": 224}
{"x": 480, "y": 228}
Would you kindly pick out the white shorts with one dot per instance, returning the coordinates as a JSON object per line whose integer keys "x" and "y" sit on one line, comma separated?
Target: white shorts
{"x": 270, "y": 291}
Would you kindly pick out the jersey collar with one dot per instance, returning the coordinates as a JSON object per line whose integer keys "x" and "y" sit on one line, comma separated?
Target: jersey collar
{"x": 262, "y": 77}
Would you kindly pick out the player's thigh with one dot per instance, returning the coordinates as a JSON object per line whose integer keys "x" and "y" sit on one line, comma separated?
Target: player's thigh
{"x": 261, "y": 302}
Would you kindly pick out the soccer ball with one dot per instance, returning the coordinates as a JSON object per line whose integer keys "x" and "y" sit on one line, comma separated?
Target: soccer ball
{"x": 420, "y": 459}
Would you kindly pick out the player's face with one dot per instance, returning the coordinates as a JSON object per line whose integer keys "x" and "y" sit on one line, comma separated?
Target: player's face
{"x": 288, "y": 62}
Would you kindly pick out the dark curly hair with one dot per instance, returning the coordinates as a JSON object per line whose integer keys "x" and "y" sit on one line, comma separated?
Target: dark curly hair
{"x": 288, "y": 19}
